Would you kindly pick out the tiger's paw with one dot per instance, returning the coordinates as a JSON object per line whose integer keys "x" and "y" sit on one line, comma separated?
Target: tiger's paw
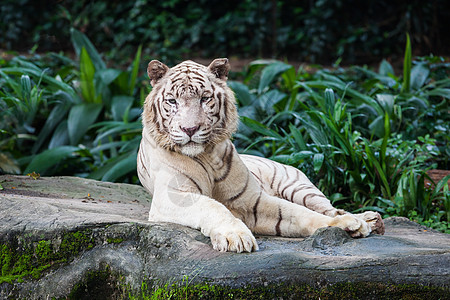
{"x": 374, "y": 220}
{"x": 354, "y": 226}
{"x": 233, "y": 239}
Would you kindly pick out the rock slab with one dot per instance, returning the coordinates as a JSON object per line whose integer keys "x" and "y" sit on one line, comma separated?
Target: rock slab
{"x": 111, "y": 220}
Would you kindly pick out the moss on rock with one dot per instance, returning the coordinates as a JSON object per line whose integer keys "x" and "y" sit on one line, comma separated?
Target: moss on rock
{"x": 362, "y": 290}
{"x": 21, "y": 258}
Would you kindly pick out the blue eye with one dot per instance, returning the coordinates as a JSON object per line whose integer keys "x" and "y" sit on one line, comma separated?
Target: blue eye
{"x": 204, "y": 99}
{"x": 172, "y": 101}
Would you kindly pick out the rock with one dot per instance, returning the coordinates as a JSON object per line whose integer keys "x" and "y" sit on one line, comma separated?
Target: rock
{"x": 78, "y": 238}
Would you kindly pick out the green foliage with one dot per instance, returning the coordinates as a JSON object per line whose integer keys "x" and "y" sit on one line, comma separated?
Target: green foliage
{"x": 326, "y": 30}
{"x": 367, "y": 139}
{"x": 48, "y": 116}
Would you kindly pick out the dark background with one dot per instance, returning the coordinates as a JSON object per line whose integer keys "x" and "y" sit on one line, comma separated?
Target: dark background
{"x": 323, "y": 31}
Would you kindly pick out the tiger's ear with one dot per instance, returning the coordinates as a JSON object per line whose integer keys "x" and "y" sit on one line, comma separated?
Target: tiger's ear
{"x": 220, "y": 67}
{"x": 156, "y": 70}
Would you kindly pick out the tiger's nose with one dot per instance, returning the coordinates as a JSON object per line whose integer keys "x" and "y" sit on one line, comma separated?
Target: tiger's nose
{"x": 190, "y": 131}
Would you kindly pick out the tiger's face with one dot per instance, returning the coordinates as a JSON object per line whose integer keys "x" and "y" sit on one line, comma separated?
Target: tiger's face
{"x": 190, "y": 106}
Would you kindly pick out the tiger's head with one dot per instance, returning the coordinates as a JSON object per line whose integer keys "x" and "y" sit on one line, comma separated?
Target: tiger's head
{"x": 190, "y": 106}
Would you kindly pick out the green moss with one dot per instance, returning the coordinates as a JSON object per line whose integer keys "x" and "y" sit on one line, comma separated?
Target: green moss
{"x": 292, "y": 291}
{"x": 20, "y": 260}
{"x": 114, "y": 241}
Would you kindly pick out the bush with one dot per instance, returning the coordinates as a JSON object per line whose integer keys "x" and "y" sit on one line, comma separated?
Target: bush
{"x": 356, "y": 132}
{"x": 81, "y": 118}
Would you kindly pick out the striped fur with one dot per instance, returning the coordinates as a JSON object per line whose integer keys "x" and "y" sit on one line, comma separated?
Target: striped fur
{"x": 188, "y": 163}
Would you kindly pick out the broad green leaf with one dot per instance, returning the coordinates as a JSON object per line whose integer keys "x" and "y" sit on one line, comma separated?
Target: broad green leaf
{"x": 389, "y": 79}
{"x": 120, "y": 107}
{"x": 25, "y": 87}
{"x": 318, "y": 161}
{"x": 11, "y": 82}
{"x": 439, "y": 186}
{"x": 377, "y": 126}
{"x": 419, "y": 101}
{"x": 56, "y": 115}
{"x": 134, "y": 71}
{"x": 260, "y": 128}
{"x": 440, "y": 92}
{"x": 298, "y": 137}
{"x": 122, "y": 82}
{"x": 302, "y": 155}
{"x": 60, "y": 136}
{"x": 242, "y": 93}
{"x": 267, "y": 100}
{"x": 43, "y": 161}
{"x": 385, "y": 68}
{"x": 53, "y": 84}
{"x": 80, "y": 118}
{"x": 80, "y": 41}
{"x": 329, "y": 100}
{"x": 108, "y": 75}
{"x": 87, "y": 74}
{"x": 115, "y": 127}
{"x": 419, "y": 75}
{"x": 387, "y": 102}
{"x": 406, "y": 85}
{"x": 269, "y": 73}
{"x": 122, "y": 167}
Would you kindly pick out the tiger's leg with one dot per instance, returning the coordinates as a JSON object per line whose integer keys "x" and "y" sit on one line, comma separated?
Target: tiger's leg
{"x": 289, "y": 183}
{"x": 271, "y": 215}
{"x": 227, "y": 232}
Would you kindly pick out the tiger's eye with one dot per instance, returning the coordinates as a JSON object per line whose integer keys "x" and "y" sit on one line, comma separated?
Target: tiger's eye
{"x": 172, "y": 101}
{"x": 204, "y": 99}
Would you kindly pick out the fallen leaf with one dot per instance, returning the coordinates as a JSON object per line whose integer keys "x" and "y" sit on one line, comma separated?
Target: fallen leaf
{"x": 34, "y": 175}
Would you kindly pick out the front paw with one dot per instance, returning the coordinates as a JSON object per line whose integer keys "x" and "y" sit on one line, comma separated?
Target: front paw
{"x": 353, "y": 225}
{"x": 237, "y": 238}
{"x": 374, "y": 220}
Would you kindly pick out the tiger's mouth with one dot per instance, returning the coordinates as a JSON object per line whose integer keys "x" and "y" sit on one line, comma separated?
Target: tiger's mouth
{"x": 192, "y": 148}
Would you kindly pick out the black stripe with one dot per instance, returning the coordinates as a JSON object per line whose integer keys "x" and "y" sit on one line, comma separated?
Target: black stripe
{"x": 142, "y": 164}
{"x": 273, "y": 178}
{"x": 298, "y": 189}
{"x": 255, "y": 207}
{"x": 196, "y": 73}
{"x": 261, "y": 160}
{"x": 277, "y": 227}
{"x": 176, "y": 79}
{"x": 228, "y": 162}
{"x": 285, "y": 188}
{"x": 241, "y": 192}
{"x": 203, "y": 166}
{"x": 256, "y": 176}
{"x": 200, "y": 79}
{"x": 310, "y": 195}
{"x": 187, "y": 176}
{"x": 278, "y": 187}
{"x": 161, "y": 122}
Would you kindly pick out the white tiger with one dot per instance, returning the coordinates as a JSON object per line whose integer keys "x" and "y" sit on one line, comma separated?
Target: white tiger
{"x": 188, "y": 163}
